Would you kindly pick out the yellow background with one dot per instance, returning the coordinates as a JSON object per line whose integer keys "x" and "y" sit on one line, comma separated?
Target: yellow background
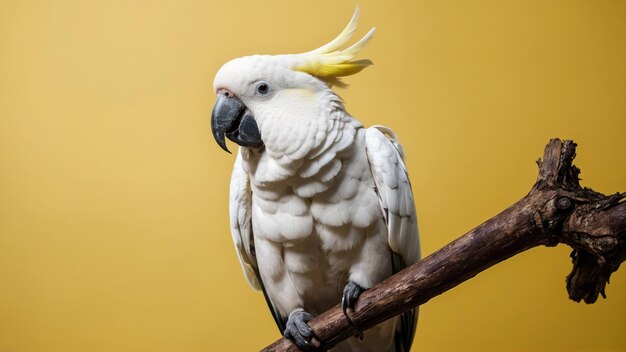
{"x": 113, "y": 194}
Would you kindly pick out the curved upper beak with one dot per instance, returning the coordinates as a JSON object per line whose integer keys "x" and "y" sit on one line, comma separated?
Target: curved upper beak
{"x": 232, "y": 119}
{"x": 226, "y": 112}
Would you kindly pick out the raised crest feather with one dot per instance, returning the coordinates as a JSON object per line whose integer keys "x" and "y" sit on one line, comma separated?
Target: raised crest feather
{"x": 329, "y": 62}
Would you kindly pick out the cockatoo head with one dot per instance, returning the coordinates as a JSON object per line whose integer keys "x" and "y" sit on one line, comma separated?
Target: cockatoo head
{"x": 256, "y": 94}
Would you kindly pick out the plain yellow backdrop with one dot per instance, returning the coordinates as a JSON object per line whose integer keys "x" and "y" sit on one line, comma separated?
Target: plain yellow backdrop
{"x": 113, "y": 195}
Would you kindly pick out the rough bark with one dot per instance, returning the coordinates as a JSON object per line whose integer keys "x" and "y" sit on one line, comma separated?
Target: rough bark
{"x": 556, "y": 210}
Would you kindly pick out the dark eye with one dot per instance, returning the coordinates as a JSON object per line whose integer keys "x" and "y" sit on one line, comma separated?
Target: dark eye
{"x": 262, "y": 88}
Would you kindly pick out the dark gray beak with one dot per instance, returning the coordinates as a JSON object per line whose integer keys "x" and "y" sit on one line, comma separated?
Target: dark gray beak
{"x": 231, "y": 118}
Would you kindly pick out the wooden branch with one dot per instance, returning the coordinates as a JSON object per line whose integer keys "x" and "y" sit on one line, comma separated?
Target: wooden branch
{"x": 557, "y": 210}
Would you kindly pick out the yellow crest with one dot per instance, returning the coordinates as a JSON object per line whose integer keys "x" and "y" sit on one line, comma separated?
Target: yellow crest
{"x": 329, "y": 62}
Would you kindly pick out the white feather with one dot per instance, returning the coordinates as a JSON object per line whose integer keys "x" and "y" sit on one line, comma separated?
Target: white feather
{"x": 394, "y": 187}
{"x": 340, "y": 238}
{"x": 240, "y": 216}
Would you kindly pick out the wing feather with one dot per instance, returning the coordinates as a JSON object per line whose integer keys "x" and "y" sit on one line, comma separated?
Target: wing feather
{"x": 241, "y": 224}
{"x": 395, "y": 196}
{"x": 241, "y": 230}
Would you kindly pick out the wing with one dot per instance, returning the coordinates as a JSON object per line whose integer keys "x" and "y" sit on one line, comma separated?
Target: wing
{"x": 394, "y": 192}
{"x": 241, "y": 222}
{"x": 395, "y": 198}
{"x": 241, "y": 230}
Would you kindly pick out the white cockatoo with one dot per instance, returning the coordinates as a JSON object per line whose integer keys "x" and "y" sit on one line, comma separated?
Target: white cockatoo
{"x": 321, "y": 208}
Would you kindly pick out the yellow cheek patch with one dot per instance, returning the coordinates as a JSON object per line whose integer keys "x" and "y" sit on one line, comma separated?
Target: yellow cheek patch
{"x": 329, "y": 62}
{"x": 299, "y": 93}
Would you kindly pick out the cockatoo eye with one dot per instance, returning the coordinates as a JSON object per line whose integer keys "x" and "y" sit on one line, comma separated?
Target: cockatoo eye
{"x": 263, "y": 88}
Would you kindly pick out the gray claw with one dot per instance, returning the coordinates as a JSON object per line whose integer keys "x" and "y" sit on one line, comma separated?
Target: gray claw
{"x": 299, "y": 331}
{"x": 351, "y": 293}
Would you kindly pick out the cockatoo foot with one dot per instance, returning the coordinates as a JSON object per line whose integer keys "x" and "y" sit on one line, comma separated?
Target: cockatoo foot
{"x": 300, "y": 332}
{"x": 351, "y": 293}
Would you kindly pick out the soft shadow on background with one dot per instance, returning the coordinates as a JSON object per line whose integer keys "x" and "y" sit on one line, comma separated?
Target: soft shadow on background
{"x": 113, "y": 195}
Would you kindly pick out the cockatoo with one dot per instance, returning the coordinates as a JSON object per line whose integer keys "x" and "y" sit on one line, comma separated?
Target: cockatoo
{"x": 321, "y": 208}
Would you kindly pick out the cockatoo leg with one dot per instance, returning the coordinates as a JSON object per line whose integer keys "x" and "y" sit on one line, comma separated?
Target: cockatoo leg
{"x": 300, "y": 332}
{"x": 351, "y": 293}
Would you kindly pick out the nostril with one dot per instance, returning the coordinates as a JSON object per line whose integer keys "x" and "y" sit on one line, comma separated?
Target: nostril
{"x": 225, "y": 92}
